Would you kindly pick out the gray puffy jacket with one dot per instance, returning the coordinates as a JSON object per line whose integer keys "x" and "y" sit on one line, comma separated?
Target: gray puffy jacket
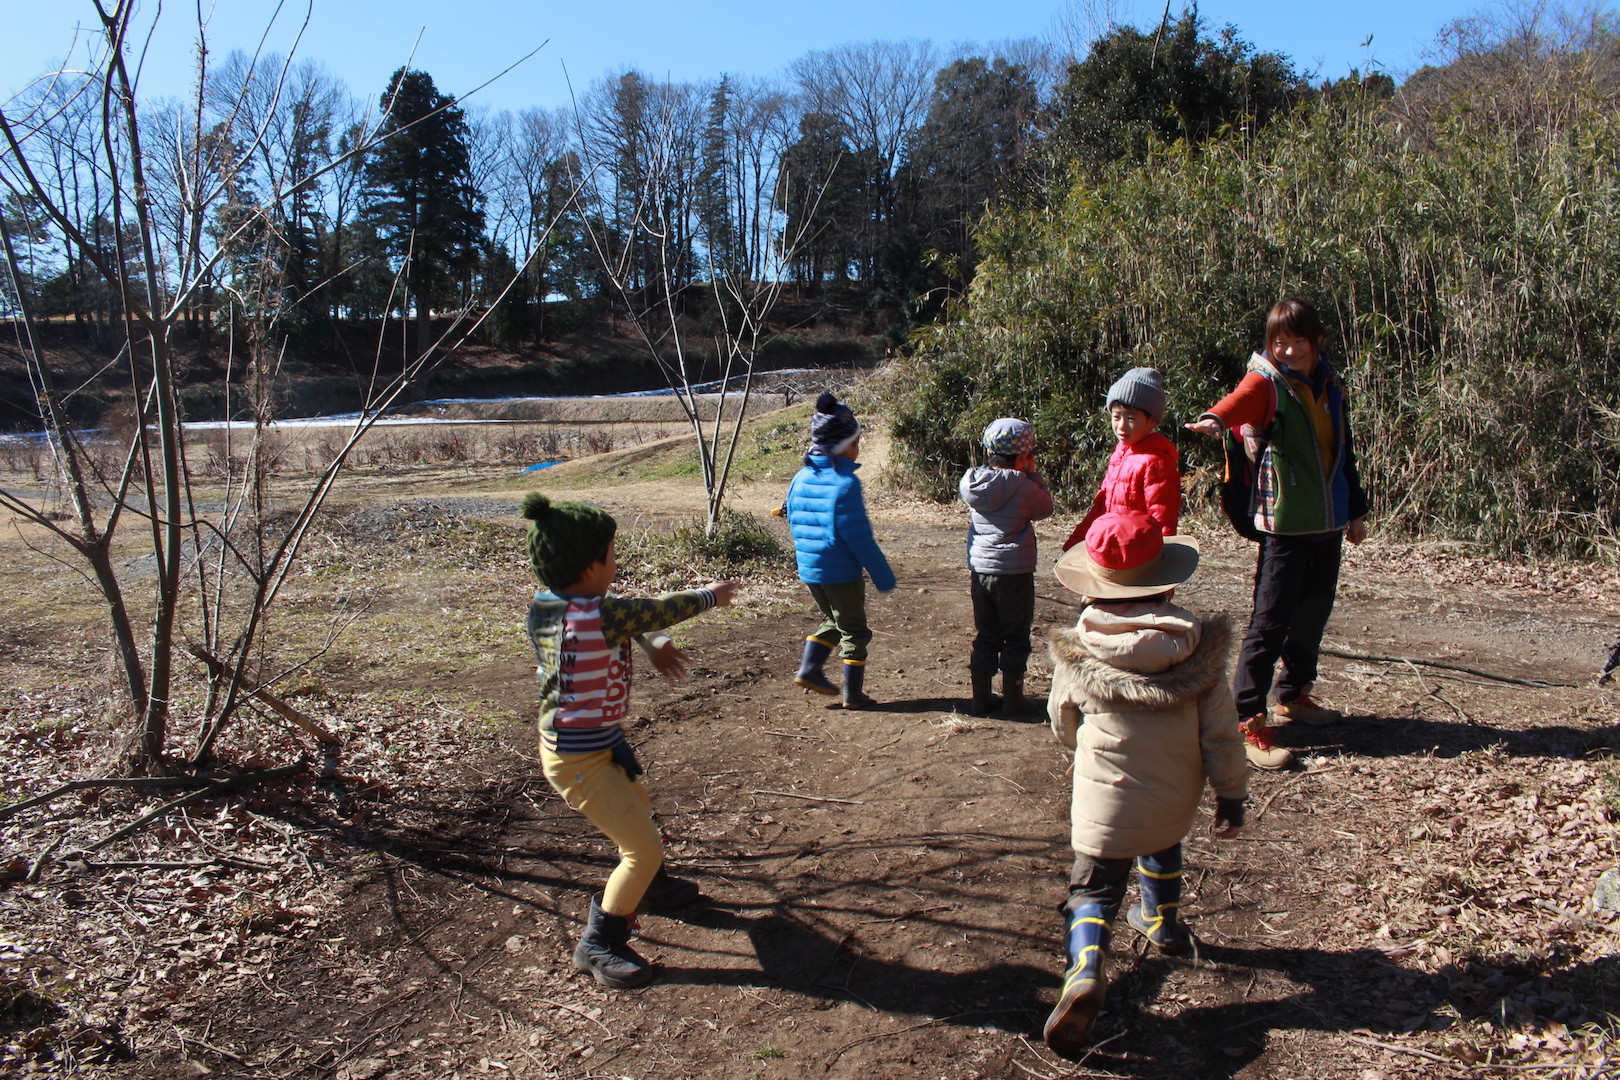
{"x": 1003, "y": 505}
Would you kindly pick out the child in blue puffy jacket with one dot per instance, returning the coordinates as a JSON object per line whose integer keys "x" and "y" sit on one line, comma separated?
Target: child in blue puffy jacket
{"x": 833, "y": 542}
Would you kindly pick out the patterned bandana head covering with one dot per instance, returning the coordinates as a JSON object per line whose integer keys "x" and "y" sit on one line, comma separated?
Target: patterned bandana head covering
{"x": 1008, "y": 437}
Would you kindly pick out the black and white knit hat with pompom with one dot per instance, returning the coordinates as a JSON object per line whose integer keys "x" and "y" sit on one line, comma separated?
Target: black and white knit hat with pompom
{"x": 833, "y": 427}
{"x": 565, "y": 538}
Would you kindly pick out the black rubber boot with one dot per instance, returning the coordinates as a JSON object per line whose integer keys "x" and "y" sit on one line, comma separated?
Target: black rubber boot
{"x": 1013, "y": 702}
{"x": 854, "y": 678}
{"x": 668, "y": 891}
{"x": 810, "y": 676}
{"x": 984, "y": 700}
{"x": 604, "y": 951}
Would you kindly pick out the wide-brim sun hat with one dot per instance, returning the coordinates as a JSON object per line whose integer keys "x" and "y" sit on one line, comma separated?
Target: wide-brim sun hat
{"x": 1126, "y": 556}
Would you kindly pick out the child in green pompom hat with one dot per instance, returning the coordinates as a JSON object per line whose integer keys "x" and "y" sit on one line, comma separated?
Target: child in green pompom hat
{"x": 581, "y": 636}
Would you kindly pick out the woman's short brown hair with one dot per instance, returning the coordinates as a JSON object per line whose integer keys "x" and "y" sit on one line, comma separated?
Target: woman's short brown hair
{"x": 1296, "y": 317}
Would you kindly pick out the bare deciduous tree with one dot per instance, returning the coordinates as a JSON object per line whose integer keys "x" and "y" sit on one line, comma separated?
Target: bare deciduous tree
{"x": 171, "y": 214}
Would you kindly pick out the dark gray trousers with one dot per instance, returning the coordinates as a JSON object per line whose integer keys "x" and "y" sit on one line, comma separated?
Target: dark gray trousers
{"x": 1003, "y": 612}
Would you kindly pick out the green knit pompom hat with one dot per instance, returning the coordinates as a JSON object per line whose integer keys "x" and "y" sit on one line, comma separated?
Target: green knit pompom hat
{"x": 565, "y": 538}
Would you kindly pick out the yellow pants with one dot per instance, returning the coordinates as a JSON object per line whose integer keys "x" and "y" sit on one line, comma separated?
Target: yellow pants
{"x": 596, "y": 786}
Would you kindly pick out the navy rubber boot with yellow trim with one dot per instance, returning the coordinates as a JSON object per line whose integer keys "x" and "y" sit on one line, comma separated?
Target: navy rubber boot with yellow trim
{"x": 1068, "y": 1028}
{"x": 1159, "y": 877}
{"x": 854, "y": 678}
{"x": 810, "y": 675}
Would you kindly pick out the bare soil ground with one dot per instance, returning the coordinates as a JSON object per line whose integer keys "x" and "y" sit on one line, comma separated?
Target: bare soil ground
{"x": 1413, "y": 900}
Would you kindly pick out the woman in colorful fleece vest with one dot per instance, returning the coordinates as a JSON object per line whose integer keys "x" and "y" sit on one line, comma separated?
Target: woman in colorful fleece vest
{"x": 1307, "y": 500}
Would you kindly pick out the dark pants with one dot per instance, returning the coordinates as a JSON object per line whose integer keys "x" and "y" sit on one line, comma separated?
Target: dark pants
{"x": 843, "y": 618}
{"x": 1103, "y": 881}
{"x": 1295, "y": 579}
{"x": 1003, "y": 611}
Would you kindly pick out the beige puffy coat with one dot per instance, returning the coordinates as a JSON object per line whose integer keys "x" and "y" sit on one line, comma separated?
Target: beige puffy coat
{"x": 1139, "y": 692}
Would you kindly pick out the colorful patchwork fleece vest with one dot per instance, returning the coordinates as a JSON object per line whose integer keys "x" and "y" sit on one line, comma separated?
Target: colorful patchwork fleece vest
{"x": 1295, "y": 491}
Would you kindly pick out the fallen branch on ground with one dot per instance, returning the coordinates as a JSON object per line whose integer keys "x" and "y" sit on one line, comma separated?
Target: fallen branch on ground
{"x": 246, "y": 779}
{"x": 812, "y": 798}
{"x": 1573, "y": 917}
{"x": 837, "y": 1053}
{"x": 100, "y": 782}
{"x": 1260, "y": 813}
{"x": 220, "y": 669}
{"x": 1414, "y": 1051}
{"x": 1345, "y": 654}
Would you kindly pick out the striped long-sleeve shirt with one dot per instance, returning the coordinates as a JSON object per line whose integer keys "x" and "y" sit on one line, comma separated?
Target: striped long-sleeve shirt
{"x": 583, "y": 647}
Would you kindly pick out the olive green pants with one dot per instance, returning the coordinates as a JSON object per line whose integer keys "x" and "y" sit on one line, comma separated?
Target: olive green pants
{"x": 843, "y": 618}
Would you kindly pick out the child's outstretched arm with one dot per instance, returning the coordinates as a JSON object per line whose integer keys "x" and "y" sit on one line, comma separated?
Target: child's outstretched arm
{"x": 666, "y": 659}
{"x": 624, "y": 618}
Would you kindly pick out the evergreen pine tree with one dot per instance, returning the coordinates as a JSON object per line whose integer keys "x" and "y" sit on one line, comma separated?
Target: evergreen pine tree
{"x": 419, "y": 196}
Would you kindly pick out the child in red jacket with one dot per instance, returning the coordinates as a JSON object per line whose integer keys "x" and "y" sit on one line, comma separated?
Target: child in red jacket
{"x": 1143, "y": 475}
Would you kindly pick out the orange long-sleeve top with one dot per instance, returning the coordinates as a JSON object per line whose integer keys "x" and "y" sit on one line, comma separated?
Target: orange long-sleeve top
{"x": 1254, "y": 402}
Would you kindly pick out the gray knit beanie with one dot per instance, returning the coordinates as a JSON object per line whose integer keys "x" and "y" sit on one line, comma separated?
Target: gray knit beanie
{"x": 1140, "y": 388}
{"x": 565, "y": 538}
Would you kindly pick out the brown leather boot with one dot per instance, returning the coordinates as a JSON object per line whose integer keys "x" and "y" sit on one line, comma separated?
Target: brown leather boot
{"x": 1261, "y": 745}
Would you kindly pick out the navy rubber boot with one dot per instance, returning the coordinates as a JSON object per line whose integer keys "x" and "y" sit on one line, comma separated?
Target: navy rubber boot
{"x": 854, "y": 679}
{"x": 984, "y": 700}
{"x": 1013, "y": 702}
{"x": 1159, "y": 878}
{"x": 810, "y": 675}
{"x": 1085, "y": 984}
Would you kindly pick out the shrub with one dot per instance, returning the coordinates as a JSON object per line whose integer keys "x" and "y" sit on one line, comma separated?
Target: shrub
{"x": 683, "y": 556}
{"x": 1469, "y": 284}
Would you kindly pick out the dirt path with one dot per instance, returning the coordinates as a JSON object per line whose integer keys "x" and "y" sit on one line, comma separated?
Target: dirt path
{"x": 883, "y": 885}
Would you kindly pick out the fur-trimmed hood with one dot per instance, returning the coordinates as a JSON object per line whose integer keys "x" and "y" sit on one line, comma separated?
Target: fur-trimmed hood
{"x": 1143, "y": 656}
{"x": 1139, "y": 693}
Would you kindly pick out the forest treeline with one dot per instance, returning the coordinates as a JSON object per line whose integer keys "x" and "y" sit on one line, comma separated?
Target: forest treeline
{"x": 1461, "y": 237}
{"x": 863, "y": 169}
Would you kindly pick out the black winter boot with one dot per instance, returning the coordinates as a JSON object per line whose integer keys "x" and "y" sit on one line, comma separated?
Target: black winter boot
{"x": 668, "y": 891}
{"x": 854, "y": 678}
{"x": 984, "y": 700}
{"x": 1013, "y": 702}
{"x": 810, "y": 676}
{"x": 604, "y": 951}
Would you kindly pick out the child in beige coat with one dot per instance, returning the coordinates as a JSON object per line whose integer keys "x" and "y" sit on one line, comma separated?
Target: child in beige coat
{"x": 1139, "y": 692}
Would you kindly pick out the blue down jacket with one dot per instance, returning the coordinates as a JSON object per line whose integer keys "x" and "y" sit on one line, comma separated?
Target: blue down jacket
{"x": 832, "y": 538}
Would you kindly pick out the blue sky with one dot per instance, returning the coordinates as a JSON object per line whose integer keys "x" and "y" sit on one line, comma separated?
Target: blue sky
{"x": 463, "y": 42}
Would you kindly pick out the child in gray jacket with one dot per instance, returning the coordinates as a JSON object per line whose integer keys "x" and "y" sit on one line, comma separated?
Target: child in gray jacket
{"x": 1005, "y": 498}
